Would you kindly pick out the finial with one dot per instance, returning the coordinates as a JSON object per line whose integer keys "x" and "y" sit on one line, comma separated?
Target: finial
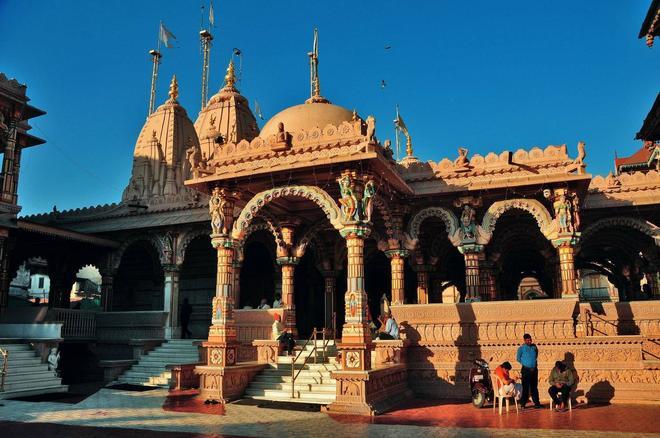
{"x": 174, "y": 89}
{"x": 315, "y": 83}
{"x": 409, "y": 148}
{"x": 230, "y": 77}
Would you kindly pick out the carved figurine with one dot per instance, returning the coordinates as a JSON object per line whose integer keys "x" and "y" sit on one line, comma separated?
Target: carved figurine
{"x": 216, "y": 211}
{"x": 462, "y": 162}
{"x": 193, "y": 157}
{"x": 371, "y": 129}
{"x": 562, "y": 209}
{"x": 348, "y": 200}
{"x": 576, "y": 212}
{"x": 582, "y": 154}
{"x": 367, "y": 200}
{"x": 612, "y": 180}
{"x": 53, "y": 360}
{"x": 468, "y": 222}
{"x": 281, "y": 133}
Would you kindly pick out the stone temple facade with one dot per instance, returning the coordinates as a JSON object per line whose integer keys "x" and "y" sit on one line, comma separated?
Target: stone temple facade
{"x": 470, "y": 251}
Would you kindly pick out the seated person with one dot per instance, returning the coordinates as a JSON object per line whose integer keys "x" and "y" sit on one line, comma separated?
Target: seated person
{"x": 508, "y": 385}
{"x": 277, "y": 326}
{"x": 286, "y": 338}
{"x": 263, "y": 305}
{"x": 561, "y": 379}
{"x": 389, "y": 328}
{"x": 277, "y": 304}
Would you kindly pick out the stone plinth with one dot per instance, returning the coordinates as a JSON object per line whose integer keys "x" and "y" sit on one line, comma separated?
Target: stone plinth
{"x": 370, "y": 392}
{"x": 268, "y": 350}
{"x": 224, "y": 384}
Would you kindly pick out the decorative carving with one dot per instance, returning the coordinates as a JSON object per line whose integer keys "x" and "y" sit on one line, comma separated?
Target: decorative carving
{"x": 217, "y": 206}
{"x": 314, "y": 194}
{"x": 367, "y": 199}
{"x": 450, "y": 220}
{"x": 497, "y": 209}
{"x": 640, "y": 225}
{"x": 371, "y": 129}
{"x": 352, "y": 359}
{"x": 462, "y": 163}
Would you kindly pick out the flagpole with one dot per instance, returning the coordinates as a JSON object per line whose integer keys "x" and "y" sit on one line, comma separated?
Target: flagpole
{"x": 396, "y": 132}
{"x": 155, "y": 58}
{"x": 206, "y": 38}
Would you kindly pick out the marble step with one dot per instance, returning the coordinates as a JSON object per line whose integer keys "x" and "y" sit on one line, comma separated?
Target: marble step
{"x": 305, "y": 387}
{"x": 142, "y": 375}
{"x": 302, "y": 378}
{"x": 7, "y": 394}
{"x": 32, "y": 384}
{"x": 27, "y": 368}
{"x": 15, "y": 347}
{"x": 21, "y": 354}
{"x": 14, "y": 377}
{"x": 280, "y": 395}
{"x": 144, "y": 381}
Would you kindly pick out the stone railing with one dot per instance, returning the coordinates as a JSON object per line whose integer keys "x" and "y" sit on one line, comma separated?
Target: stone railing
{"x": 471, "y": 323}
{"x": 255, "y": 324}
{"x": 122, "y": 326}
{"x": 623, "y": 318}
{"x": 77, "y": 324}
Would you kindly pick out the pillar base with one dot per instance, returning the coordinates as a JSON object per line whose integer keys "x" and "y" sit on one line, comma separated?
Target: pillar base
{"x": 370, "y": 392}
{"x": 355, "y": 356}
{"x": 224, "y": 384}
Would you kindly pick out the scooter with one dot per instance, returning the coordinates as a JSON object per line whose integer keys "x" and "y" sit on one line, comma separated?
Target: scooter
{"x": 481, "y": 385}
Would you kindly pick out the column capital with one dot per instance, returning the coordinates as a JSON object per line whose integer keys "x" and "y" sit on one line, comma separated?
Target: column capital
{"x": 401, "y": 253}
{"x": 359, "y": 231}
{"x": 286, "y": 260}
{"x": 565, "y": 240}
{"x": 472, "y": 248}
{"x": 222, "y": 241}
{"x": 171, "y": 268}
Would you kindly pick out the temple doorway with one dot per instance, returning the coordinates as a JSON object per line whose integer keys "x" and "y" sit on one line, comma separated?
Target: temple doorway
{"x": 197, "y": 284}
{"x": 139, "y": 281}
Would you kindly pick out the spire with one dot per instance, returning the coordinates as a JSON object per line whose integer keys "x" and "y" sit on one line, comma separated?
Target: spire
{"x": 174, "y": 90}
{"x": 315, "y": 83}
{"x": 230, "y": 78}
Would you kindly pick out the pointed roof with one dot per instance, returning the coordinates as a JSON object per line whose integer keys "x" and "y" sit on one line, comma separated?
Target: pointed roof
{"x": 226, "y": 118}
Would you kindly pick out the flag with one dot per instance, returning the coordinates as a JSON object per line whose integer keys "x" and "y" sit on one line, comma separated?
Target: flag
{"x": 236, "y": 51}
{"x": 166, "y": 36}
{"x": 211, "y": 15}
{"x": 399, "y": 123}
{"x": 257, "y": 109}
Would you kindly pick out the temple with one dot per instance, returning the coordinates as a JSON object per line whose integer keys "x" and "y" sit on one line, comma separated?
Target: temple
{"x": 467, "y": 252}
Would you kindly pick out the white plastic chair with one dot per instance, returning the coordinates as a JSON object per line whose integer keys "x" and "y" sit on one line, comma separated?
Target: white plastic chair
{"x": 497, "y": 385}
{"x": 570, "y": 403}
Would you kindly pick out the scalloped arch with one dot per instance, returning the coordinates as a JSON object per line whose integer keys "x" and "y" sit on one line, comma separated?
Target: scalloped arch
{"x": 261, "y": 199}
{"x": 447, "y": 216}
{"x": 645, "y": 227}
{"x": 532, "y": 206}
{"x": 185, "y": 241}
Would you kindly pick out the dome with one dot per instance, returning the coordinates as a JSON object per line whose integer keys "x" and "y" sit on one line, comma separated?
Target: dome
{"x": 307, "y": 116}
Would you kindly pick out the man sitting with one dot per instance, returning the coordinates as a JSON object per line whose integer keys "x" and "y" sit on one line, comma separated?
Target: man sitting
{"x": 508, "y": 385}
{"x": 561, "y": 379}
{"x": 263, "y": 305}
{"x": 389, "y": 327}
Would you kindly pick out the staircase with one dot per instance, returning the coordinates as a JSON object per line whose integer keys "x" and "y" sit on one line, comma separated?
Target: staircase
{"x": 313, "y": 385}
{"x": 152, "y": 370}
{"x": 27, "y": 375}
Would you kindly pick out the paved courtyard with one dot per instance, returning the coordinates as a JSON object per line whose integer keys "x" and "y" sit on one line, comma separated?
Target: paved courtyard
{"x": 111, "y": 412}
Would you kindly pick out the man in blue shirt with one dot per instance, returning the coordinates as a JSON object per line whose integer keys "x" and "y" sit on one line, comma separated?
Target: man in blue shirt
{"x": 391, "y": 328}
{"x": 527, "y": 356}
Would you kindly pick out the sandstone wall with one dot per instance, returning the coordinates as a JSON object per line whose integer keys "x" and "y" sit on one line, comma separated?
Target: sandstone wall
{"x": 611, "y": 364}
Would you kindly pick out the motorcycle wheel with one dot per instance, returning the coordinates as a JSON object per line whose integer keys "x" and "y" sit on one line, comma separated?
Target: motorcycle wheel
{"x": 478, "y": 399}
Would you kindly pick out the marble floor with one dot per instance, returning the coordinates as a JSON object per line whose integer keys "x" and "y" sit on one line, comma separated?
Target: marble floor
{"x": 122, "y": 413}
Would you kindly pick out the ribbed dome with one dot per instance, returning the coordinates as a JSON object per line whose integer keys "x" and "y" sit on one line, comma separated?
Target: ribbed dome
{"x": 307, "y": 116}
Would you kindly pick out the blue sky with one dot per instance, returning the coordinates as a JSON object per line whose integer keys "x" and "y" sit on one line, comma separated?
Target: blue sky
{"x": 481, "y": 74}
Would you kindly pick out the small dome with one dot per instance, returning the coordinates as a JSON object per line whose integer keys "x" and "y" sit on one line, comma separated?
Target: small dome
{"x": 307, "y": 116}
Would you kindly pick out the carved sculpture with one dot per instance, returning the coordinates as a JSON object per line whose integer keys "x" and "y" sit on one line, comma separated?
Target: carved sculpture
{"x": 371, "y": 129}
{"x": 582, "y": 154}
{"x": 216, "y": 211}
{"x": 562, "y": 207}
{"x": 462, "y": 162}
{"x": 193, "y": 156}
{"x": 282, "y": 138}
{"x": 612, "y": 181}
{"x": 53, "y": 360}
{"x": 348, "y": 200}
{"x": 367, "y": 200}
{"x": 468, "y": 223}
{"x": 576, "y": 212}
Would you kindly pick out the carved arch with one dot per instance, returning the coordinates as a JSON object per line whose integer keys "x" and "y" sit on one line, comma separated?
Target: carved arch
{"x": 307, "y": 238}
{"x": 447, "y": 216}
{"x": 185, "y": 240}
{"x": 253, "y": 228}
{"x": 314, "y": 194}
{"x": 532, "y": 206}
{"x": 160, "y": 243}
{"x": 645, "y": 227}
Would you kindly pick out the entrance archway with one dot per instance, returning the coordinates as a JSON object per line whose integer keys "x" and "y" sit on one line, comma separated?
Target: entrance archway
{"x": 197, "y": 284}
{"x": 139, "y": 281}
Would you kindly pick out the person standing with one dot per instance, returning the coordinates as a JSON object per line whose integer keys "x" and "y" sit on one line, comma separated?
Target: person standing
{"x": 527, "y": 356}
{"x": 184, "y": 316}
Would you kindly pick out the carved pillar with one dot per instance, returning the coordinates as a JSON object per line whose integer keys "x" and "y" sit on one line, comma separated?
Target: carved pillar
{"x": 397, "y": 259}
{"x": 487, "y": 280}
{"x": 237, "y": 283}
{"x": 10, "y": 163}
{"x": 422, "y": 283}
{"x": 171, "y": 301}
{"x": 107, "y": 280}
{"x": 566, "y": 250}
{"x": 471, "y": 253}
{"x": 288, "y": 264}
{"x": 356, "y": 338}
{"x": 330, "y": 282}
{"x": 4, "y": 269}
